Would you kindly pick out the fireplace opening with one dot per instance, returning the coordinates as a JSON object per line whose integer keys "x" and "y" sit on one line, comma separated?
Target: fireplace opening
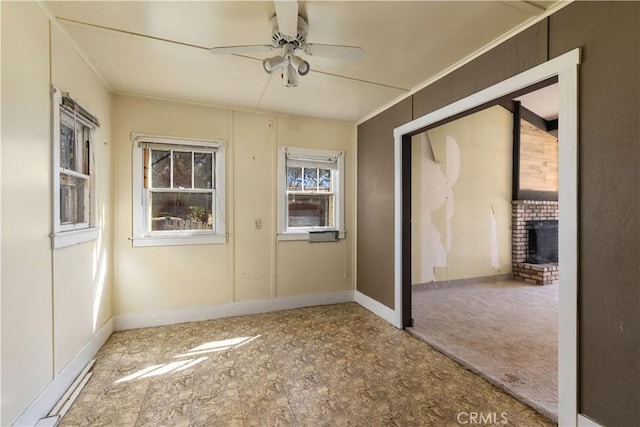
{"x": 542, "y": 241}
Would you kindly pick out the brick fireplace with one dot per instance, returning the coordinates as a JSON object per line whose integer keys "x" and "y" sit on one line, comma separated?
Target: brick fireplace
{"x": 528, "y": 215}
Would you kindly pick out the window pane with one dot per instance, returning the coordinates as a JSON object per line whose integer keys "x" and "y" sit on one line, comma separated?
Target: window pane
{"x": 324, "y": 180}
{"x": 181, "y": 211}
{"x": 182, "y": 162}
{"x": 310, "y": 210}
{"x": 161, "y": 169}
{"x": 67, "y": 146}
{"x": 72, "y": 199}
{"x": 294, "y": 178}
{"x": 310, "y": 179}
{"x": 203, "y": 170}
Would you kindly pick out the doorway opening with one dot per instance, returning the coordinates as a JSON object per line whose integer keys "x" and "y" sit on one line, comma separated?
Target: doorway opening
{"x": 565, "y": 69}
{"x": 484, "y": 261}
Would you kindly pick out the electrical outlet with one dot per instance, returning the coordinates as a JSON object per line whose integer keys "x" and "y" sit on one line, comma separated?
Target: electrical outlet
{"x": 257, "y": 224}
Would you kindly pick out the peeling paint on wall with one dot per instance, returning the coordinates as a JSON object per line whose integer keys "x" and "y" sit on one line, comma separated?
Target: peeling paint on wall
{"x": 435, "y": 194}
{"x": 453, "y": 172}
{"x": 461, "y": 204}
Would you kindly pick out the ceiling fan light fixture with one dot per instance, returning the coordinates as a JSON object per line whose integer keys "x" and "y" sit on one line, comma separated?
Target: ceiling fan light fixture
{"x": 290, "y": 75}
{"x": 301, "y": 65}
{"x": 272, "y": 64}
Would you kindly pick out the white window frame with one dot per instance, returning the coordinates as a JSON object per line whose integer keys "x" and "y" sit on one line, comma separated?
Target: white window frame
{"x": 284, "y": 232}
{"x": 72, "y": 234}
{"x": 142, "y": 234}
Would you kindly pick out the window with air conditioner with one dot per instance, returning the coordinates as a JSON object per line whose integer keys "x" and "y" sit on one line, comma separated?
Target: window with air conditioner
{"x": 310, "y": 192}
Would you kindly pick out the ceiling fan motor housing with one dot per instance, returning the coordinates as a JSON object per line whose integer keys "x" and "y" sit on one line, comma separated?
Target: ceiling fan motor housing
{"x": 279, "y": 39}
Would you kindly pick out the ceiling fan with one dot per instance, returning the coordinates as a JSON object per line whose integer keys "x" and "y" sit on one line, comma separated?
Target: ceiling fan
{"x": 289, "y": 35}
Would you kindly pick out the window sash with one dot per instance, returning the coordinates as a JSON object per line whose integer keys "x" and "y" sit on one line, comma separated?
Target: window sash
{"x": 142, "y": 190}
{"x": 173, "y": 188}
{"x": 150, "y": 219}
{"x": 80, "y": 152}
{"x": 149, "y": 172}
{"x": 303, "y": 177}
{"x": 317, "y": 163}
{"x": 71, "y": 204}
{"x": 331, "y": 213}
{"x": 310, "y": 159}
{"x": 81, "y": 143}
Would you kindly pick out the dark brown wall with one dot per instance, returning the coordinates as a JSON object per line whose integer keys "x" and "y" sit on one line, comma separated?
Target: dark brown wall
{"x": 609, "y": 203}
{"x": 609, "y": 195}
{"x": 376, "y": 177}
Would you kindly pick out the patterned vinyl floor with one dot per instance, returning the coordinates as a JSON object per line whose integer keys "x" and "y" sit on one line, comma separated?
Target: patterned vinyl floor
{"x": 335, "y": 365}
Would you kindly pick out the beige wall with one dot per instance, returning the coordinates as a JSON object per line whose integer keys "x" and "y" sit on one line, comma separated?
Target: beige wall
{"x": 82, "y": 273}
{"x": 461, "y": 184}
{"x": 323, "y": 267}
{"x": 53, "y": 301}
{"x": 252, "y": 264}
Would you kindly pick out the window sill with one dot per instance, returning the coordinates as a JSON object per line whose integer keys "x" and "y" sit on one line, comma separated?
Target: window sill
{"x": 142, "y": 242}
{"x": 302, "y": 236}
{"x": 65, "y": 239}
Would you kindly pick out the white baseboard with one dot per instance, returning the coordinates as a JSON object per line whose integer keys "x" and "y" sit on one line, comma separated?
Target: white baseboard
{"x": 240, "y": 308}
{"x": 376, "y": 307}
{"x": 46, "y": 400}
{"x": 586, "y": 422}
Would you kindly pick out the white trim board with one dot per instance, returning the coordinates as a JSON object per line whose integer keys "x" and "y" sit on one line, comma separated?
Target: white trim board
{"x": 586, "y": 422}
{"x": 565, "y": 67}
{"x": 46, "y": 400}
{"x": 375, "y": 307}
{"x": 239, "y": 308}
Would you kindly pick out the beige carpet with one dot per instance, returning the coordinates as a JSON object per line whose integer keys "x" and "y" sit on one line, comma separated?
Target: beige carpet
{"x": 505, "y": 331}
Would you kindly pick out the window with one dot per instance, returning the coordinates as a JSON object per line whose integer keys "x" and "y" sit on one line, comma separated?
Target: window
{"x": 311, "y": 192}
{"x": 178, "y": 191}
{"x": 73, "y": 186}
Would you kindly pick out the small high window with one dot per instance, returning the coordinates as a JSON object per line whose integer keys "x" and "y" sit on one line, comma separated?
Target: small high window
{"x": 311, "y": 192}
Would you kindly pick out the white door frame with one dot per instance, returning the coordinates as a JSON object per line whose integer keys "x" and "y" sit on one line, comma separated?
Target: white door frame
{"x": 566, "y": 68}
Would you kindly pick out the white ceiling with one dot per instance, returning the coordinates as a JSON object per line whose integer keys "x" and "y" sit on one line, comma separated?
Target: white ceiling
{"x": 544, "y": 102}
{"x": 405, "y": 44}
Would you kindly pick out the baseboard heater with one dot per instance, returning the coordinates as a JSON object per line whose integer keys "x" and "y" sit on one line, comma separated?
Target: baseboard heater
{"x": 324, "y": 236}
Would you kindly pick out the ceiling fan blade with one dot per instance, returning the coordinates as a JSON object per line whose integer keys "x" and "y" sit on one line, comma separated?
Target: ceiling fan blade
{"x": 334, "y": 51}
{"x": 251, "y": 48}
{"x": 287, "y": 13}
